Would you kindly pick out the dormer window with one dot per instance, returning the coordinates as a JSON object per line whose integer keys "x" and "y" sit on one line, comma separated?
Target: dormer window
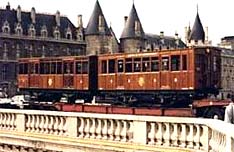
{"x": 6, "y": 27}
{"x": 56, "y": 33}
{"x": 31, "y": 31}
{"x": 69, "y": 33}
{"x": 44, "y": 32}
{"x": 18, "y": 29}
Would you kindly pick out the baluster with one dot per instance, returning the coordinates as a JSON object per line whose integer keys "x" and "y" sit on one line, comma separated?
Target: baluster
{"x": 190, "y": 136}
{"x": 7, "y": 121}
{"x": 183, "y": 135}
{"x": 46, "y": 125}
{"x": 28, "y": 121}
{"x": 81, "y": 128}
{"x": 167, "y": 134}
{"x": 37, "y": 123}
{"x": 99, "y": 129}
{"x": 197, "y": 137}
{"x": 151, "y": 134}
{"x": 111, "y": 129}
{"x": 4, "y": 121}
{"x": 130, "y": 131}
{"x": 14, "y": 121}
{"x": 61, "y": 125}
{"x": 51, "y": 123}
{"x": 174, "y": 136}
{"x": 124, "y": 131}
{"x": 159, "y": 134}
{"x": 41, "y": 124}
{"x": 105, "y": 129}
{"x": 117, "y": 130}
{"x": 10, "y": 121}
{"x": 56, "y": 123}
{"x": 1, "y": 120}
{"x": 93, "y": 128}
{"x": 87, "y": 128}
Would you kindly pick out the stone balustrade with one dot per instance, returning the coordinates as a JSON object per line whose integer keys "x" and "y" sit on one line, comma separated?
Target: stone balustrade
{"x": 195, "y": 134}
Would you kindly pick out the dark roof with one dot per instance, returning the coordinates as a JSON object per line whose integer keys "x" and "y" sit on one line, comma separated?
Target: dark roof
{"x": 49, "y": 21}
{"x": 129, "y": 29}
{"x": 165, "y": 41}
{"x": 92, "y": 27}
{"x": 197, "y": 32}
{"x": 228, "y": 38}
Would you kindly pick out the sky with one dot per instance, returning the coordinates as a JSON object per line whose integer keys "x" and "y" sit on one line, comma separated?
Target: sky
{"x": 169, "y": 16}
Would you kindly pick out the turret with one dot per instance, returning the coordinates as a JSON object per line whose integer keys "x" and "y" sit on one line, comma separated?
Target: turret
{"x": 132, "y": 37}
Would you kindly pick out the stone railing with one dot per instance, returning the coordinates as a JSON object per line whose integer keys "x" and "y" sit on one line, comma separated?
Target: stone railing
{"x": 193, "y": 134}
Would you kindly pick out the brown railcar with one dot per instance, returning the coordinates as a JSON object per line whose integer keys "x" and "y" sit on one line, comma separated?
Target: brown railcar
{"x": 172, "y": 70}
{"x": 186, "y": 72}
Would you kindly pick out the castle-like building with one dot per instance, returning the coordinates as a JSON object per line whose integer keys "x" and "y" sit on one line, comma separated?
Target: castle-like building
{"x": 31, "y": 34}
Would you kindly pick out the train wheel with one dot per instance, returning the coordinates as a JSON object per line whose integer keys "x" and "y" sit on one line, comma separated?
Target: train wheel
{"x": 214, "y": 112}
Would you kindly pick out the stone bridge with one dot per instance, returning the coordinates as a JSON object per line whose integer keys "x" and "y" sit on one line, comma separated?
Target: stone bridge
{"x": 50, "y": 131}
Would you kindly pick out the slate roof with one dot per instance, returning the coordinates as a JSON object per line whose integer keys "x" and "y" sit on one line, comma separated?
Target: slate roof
{"x": 129, "y": 29}
{"x": 41, "y": 19}
{"x": 197, "y": 32}
{"x": 92, "y": 27}
{"x": 165, "y": 41}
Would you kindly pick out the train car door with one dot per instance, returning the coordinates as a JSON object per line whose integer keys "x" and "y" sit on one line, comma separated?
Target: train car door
{"x": 120, "y": 74}
{"x": 34, "y": 73}
{"x": 165, "y": 73}
{"x": 68, "y": 73}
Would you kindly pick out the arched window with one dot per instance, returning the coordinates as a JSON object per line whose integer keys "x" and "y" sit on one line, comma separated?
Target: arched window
{"x": 56, "y": 33}
{"x": 6, "y": 27}
{"x": 31, "y": 31}
{"x": 18, "y": 29}
{"x": 44, "y": 32}
{"x": 69, "y": 33}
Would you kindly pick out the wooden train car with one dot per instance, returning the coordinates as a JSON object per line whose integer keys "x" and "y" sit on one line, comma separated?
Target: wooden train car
{"x": 166, "y": 74}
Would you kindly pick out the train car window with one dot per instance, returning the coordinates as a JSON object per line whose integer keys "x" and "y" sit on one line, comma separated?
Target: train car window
{"x": 68, "y": 68}
{"x": 154, "y": 64}
{"x": 137, "y": 65}
{"x": 23, "y": 68}
{"x": 85, "y": 67}
{"x": 78, "y": 68}
{"x": 53, "y": 68}
{"x": 104, "y": 66}
{"x": 47, "y": 68}
{"x": 184, "y": 62}
{"x": 120, "y": 66}
{"x": 59, "y": 67}
{"x": 128, "y": 65}
{"x": 165, "y": 63}
{"x": 215, "y": 64}
{"x": 31, "y": 68}
{"x": 175, "y": 62}
{"x": 36, "y": 68}
{"x": 146, "y": 65}
{"x": 42, "y": 68}
{"x": 111, "y": 66}
{"x": 71, "y": 67}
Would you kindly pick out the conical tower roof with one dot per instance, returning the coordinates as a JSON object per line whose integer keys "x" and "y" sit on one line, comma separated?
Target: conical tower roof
{"x": 130, "y": 29}
{"x": 93, "y": 24}
{"x": 197, "y": 32}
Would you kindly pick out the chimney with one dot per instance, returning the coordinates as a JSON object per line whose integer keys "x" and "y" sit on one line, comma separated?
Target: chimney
{"x": 33, "y": 15}
{"x": 19, "y": 13}
{"x": 80, "y": 22}
{"x": 57, "y": 18}
{"x": 8, "y": 7}
{"x": 176, "y": 36}
{"x": 125, "y": 20}
{"x": 161, "y": 34}
{"x": 206, "y": 34}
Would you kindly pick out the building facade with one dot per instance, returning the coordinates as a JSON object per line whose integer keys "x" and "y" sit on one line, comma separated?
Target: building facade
{"x": 30, "y": 34}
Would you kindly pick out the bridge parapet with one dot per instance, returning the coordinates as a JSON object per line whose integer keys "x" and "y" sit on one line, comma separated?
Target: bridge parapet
{"x": 193, "y": 134}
